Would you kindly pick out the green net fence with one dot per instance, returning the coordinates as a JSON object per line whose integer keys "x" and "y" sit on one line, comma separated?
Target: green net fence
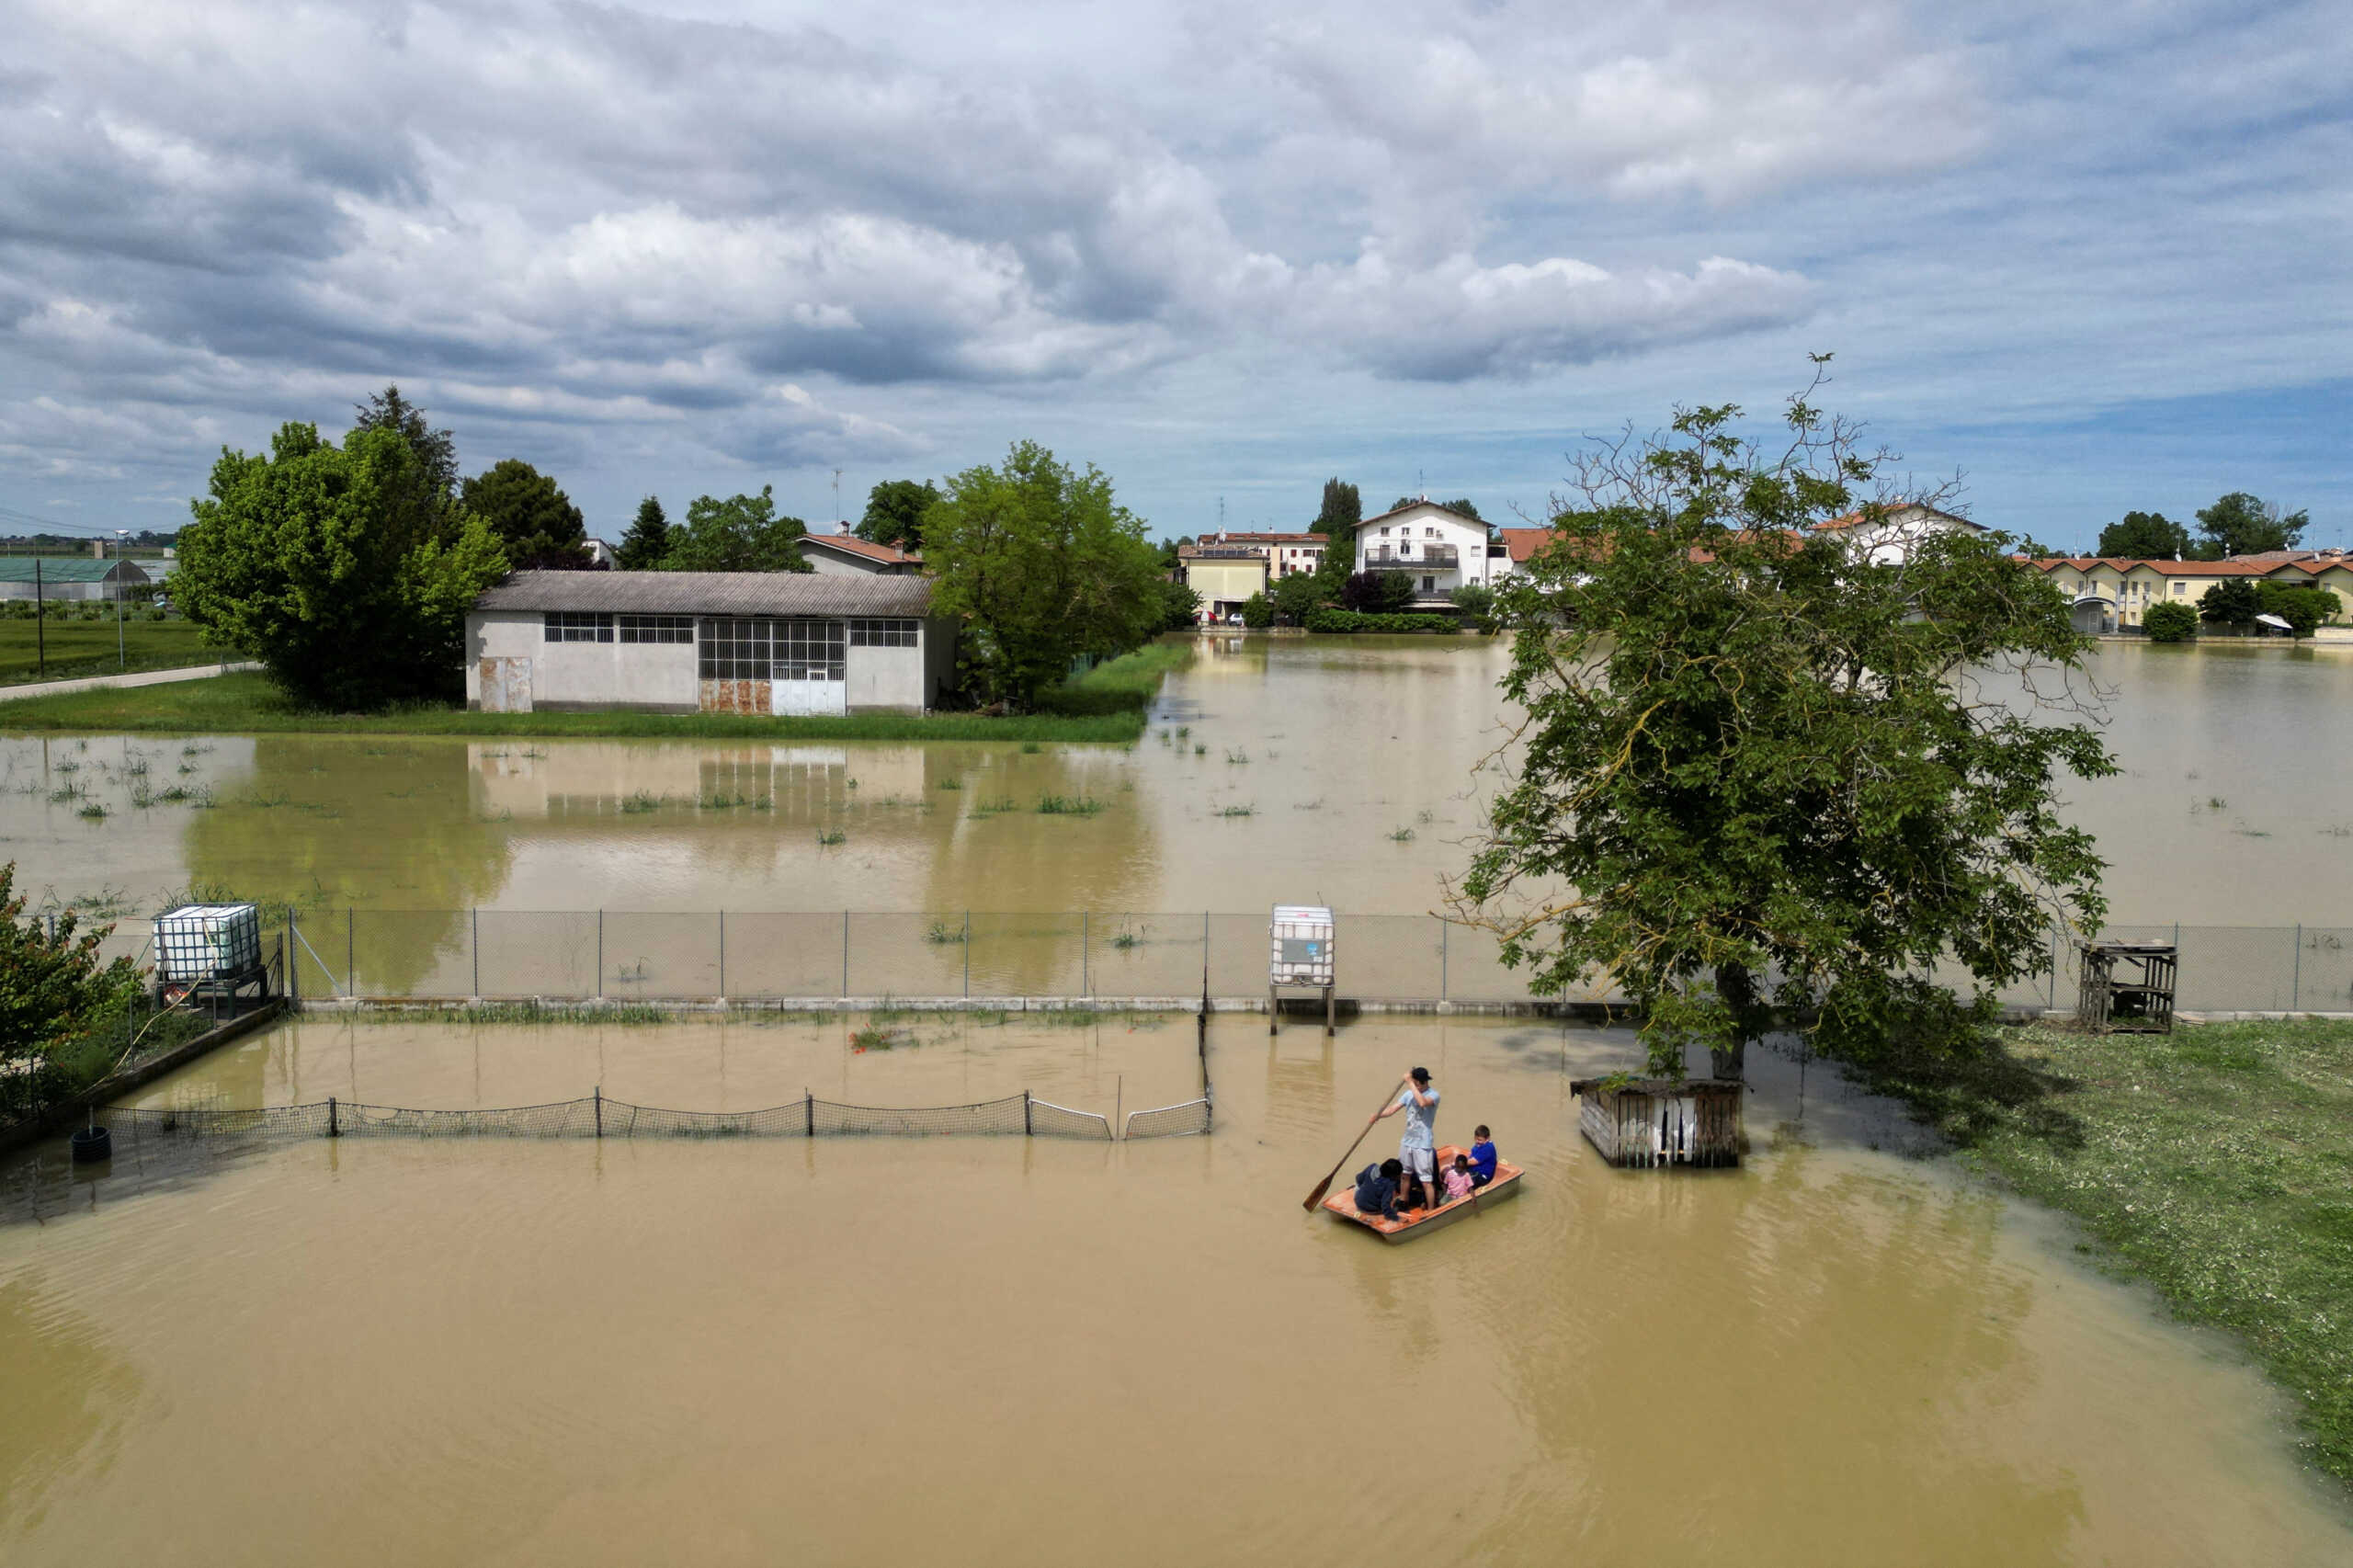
{"x": 596, "y": 1116}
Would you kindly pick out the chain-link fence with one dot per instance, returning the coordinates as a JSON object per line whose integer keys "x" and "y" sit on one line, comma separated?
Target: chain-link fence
{"x": 583, "y": 955}
{"x": 1022, "y": 1115}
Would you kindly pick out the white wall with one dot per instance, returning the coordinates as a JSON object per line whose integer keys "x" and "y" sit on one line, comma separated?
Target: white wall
{"x": 581, "y": 675}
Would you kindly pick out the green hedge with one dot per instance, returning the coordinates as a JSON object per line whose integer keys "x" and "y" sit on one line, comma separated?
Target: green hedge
{"x": 1330, "y": 619}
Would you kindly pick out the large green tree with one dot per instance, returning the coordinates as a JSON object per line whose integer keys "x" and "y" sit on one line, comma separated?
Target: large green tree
{"x": 1044, "y": 564}
{"x": 425, "y": 504}
{"x": 1761, "y": 780}
{"x": 895, "y": 510}
{"x": 643, "y": 548}
{"x": 1343, "y": 509}
{"x": 741, "y": 533}
{"x": 323, "y": 562}
{"x": 2144, "y": 536}
{"x": 2241, "y": 524}
{"x": 534, "y": 521}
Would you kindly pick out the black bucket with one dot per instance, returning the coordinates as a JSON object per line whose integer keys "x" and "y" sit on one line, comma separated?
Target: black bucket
{"x": 91, "y": 1144}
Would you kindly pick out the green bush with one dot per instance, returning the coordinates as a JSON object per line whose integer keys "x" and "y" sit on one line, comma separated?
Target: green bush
{"x": 1343, "y": 620}
{"x": 2169, "y": 622}
{"x": 1256, "y": 613}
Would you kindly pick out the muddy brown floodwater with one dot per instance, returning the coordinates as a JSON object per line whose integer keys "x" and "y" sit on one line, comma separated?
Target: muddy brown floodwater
{"x": 1276, "y": 770}
{"x": 1026, "y": 1352}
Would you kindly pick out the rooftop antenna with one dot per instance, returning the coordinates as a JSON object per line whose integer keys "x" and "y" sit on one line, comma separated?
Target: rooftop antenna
{"x": 837, "y": 499}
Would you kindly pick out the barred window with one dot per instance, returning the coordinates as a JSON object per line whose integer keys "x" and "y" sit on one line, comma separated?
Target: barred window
{"x": 739, "y": 648}
{"x": 882, "y": 633}
{"x": 808, "y": 650}
{"x": 657, "y": 627}
{"x": 578, "y": 626}
{"x": 735, "y": 649}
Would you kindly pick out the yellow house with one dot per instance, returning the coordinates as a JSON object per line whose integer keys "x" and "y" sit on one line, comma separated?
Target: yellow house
{"x": 2110, "y": 593}
{"x": 1223, "y": 575}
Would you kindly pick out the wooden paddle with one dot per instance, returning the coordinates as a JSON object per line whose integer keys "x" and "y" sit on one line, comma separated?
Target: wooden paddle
{"x": 1324, "y": 1186}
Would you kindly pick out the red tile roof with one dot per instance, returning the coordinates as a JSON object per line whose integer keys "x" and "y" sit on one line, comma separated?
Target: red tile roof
{"x": 1889, "y": 514}
{"x": 888, "y": 554}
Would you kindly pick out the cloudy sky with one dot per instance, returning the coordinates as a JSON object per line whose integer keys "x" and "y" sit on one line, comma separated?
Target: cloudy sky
{"x": 2092, "y": 257}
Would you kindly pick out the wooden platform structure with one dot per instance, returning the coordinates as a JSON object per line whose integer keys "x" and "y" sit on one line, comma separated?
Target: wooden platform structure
{"x": 1648, "y": 1123}
{"x": 2127, "y": 987}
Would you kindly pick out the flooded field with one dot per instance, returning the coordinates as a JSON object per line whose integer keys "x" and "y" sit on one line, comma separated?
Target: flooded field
{"x": 1276, "y": 769}
{"x": 1008, "y": 1350}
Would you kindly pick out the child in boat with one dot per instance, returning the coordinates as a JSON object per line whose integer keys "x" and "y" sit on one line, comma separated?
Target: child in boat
{"x": 1377, "y": 1190}
{"x": 1482, "y": 1158}
{"x": 1458, "y": 1179}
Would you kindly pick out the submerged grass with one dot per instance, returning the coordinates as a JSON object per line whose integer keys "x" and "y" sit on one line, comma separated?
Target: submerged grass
{"x": 247, "y": 704}
{"x": 2216, "y": 1162}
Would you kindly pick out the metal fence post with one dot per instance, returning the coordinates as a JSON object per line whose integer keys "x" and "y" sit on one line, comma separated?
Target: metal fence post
{"x": 2296, "y": 985}
{"x": 1026, "y": 1132}
{"x": 599, "y": 1093}
{"x": 293, "y": 966}
{"x": 333, "y": 1129}
{"x": 808, "y": 1113}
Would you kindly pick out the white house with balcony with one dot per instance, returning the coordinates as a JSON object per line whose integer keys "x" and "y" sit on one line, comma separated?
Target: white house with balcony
{"x": 1436, "y": 550}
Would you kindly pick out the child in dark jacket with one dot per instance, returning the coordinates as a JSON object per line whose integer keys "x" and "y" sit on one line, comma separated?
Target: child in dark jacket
{"x": 1377, "y": 1190}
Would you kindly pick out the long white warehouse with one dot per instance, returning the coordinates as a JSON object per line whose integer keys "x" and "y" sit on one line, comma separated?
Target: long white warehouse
{"x": 774, "y": 642}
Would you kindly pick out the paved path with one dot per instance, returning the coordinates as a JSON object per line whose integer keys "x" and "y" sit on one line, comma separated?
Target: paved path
{"x": 136, "y": 677}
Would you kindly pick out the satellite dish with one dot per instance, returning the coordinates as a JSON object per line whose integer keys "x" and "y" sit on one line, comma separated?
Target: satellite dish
{"x": 2275, "y": 621}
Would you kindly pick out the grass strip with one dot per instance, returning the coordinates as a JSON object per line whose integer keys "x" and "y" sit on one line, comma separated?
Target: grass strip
{"x": 247, "y": 704}
{"x": 2215, "y": 1162}
{"x": 76, "y": 647}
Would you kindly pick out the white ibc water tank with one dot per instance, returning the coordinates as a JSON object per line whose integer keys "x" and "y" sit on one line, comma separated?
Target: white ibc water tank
{"x": 207, "y": 941}
{"x": 1301, "y": 946}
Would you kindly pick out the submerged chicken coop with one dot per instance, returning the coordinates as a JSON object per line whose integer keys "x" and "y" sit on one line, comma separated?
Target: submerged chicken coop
{"x": 2127, "y": 986}
{"x": 1299, "y": 937}
{"x": 1647, "y": 1123}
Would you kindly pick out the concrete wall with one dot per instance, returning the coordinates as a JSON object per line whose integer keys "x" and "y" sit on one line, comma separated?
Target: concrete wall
{"x": 662, "y": 677}
{"x": 939, "y": 635}
{"x": 648, "y": 676}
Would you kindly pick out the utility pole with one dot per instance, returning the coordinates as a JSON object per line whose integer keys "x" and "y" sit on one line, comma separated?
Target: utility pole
{"x": 838, "y": 500}
{"x": 122, "y": 538}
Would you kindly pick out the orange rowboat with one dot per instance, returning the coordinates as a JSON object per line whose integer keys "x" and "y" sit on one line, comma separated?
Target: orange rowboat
{"x": 1419, "y": 1221}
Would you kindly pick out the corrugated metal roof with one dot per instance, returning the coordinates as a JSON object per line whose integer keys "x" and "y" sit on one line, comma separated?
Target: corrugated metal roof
{"x": 62, "y": 569}
{"x": 711, "y": 593}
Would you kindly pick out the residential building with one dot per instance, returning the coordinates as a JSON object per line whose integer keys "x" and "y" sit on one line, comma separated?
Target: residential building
{"x": 847, "y": 555}
{"x": 778, "y": 642}
{"x": 2111, "y": 594}
{"x": 1224, "y": 575}
{"x": 71, "y": 577}
{"x": 1436, "y": 550}
{"x": 1886, "y": 535}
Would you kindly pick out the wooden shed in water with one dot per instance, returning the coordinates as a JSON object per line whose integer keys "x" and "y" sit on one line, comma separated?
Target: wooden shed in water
{"x": 1649, "y": 1122}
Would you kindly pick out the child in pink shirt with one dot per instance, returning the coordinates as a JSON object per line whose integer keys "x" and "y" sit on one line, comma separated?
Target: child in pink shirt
{"x": 1458, "y": 1179}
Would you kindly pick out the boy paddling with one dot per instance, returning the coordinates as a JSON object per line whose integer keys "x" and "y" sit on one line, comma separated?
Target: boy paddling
{"x": 1418, "y": 1147}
